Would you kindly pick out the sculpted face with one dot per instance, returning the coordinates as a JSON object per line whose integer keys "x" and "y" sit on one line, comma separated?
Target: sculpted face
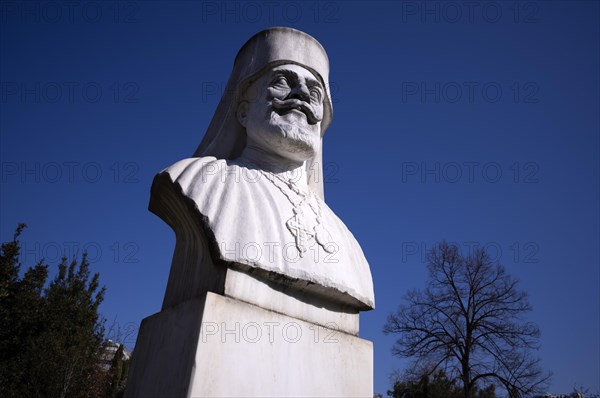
{"x": 282, "y": 112}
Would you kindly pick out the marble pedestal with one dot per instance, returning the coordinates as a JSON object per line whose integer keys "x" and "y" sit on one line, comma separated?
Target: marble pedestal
{"x": 218, "y": 346}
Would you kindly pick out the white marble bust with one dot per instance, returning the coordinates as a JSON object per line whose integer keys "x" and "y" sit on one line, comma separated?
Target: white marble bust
{"x": 254, "y": 187}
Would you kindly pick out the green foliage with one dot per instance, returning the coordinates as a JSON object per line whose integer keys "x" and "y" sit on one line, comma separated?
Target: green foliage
{"x": 51, "y": 338}
{"x": 21, "y": 316}
{"x": 488, "y": 392}
{"x": 117, "y": 374}
{"x": 436, "y": 385}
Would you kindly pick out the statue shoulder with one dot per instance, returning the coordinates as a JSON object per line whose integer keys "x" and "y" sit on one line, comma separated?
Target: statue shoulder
{"x": 189, "y": 173}
{"x": 190, "y": 166}
{"x": 187, "y": 179}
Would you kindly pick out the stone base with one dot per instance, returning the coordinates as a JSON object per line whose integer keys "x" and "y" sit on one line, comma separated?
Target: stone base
{"x": 221, "y": 347}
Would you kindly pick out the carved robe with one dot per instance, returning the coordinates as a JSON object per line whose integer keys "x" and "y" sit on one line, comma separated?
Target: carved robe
{"x": 258, "y": 222}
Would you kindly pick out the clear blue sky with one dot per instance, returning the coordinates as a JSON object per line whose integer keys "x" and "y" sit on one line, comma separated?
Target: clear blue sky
{"x": 470, "y": 123}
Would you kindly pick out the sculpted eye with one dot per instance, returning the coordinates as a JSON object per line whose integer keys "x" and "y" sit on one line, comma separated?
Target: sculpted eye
{"x": 316, "y": 95}
{"x": 280, "y": 81}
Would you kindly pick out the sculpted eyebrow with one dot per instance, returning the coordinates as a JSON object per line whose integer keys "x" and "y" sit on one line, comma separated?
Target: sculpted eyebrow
{"x": 310, "y": 82}
{"x": 314, "y": 83}
{"x": 286, "y": 73}
{"x": 291, "y": 75}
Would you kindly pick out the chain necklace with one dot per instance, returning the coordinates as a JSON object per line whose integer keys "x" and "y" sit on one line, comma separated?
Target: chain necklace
{"x": 301, "y": 232}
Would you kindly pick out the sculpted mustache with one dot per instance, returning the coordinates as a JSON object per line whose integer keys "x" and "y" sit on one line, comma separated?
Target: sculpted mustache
{"x": 293, "y": 103}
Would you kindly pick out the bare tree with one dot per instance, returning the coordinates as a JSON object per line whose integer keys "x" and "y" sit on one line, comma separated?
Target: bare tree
{"x": 469, "y": 321}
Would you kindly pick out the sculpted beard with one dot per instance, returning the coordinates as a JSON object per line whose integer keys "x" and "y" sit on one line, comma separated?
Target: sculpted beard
{"x": 297, "y": 125}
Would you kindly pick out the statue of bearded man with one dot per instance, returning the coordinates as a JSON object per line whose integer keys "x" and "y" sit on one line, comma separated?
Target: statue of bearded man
{"x": 249, "y": 205}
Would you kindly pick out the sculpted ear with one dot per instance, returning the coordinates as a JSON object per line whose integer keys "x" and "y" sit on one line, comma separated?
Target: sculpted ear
{"x": 242, "y": 112}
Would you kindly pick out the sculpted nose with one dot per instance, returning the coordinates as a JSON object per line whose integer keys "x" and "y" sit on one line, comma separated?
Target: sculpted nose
{"x": 301, "y": 92}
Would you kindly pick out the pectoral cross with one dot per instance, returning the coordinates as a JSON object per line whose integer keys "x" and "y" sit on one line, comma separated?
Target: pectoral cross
{"x": 299, "y": 231}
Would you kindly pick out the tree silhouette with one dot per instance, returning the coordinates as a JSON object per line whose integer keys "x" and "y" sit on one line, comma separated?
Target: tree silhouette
{"x": 469, "y": 321}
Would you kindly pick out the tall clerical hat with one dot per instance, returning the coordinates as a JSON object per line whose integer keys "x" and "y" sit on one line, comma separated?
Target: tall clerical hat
{"x": 225, "y": 137}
